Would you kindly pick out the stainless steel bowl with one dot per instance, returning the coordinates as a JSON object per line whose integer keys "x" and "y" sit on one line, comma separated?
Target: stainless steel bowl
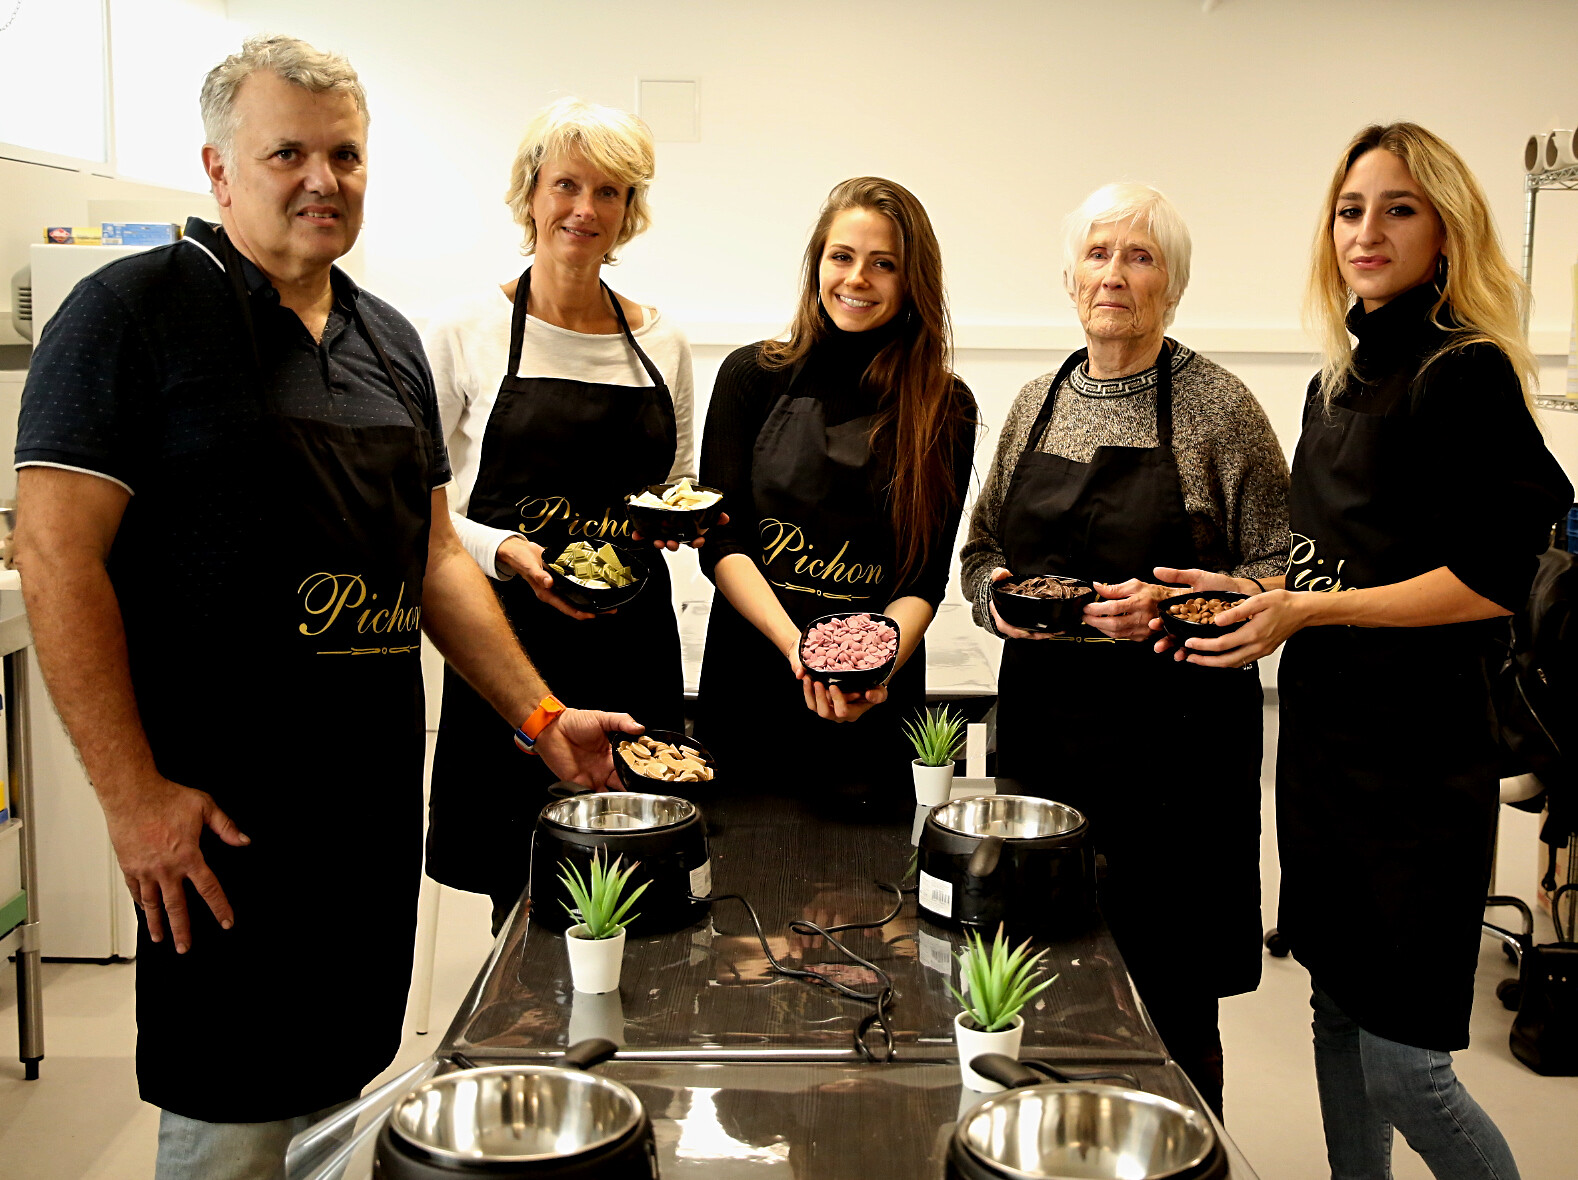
{"x": 619, "y": 811}
{"x": 515, "y": 1114}
{"x": 1013, "y": 817}
{"x": 1086, "y": 1131}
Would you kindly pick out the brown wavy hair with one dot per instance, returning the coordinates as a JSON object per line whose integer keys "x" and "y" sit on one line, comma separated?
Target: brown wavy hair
{"x": 921, "y": 407}
{"x": 1482, "y": 298}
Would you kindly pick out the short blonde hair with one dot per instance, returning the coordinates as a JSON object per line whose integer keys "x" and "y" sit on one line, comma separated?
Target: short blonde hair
{"x": 612, "y": 141}
{"x": 293, "y": 60}
{"x": 1152, "y": 212}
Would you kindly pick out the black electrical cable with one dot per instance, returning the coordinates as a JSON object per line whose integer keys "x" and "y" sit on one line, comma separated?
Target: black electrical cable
{"x": 882, "y": 998}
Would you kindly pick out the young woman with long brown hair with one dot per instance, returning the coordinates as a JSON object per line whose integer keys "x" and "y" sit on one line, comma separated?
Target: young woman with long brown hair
{"x": 1424, "y": 494}
{"x": 844, "y": 452}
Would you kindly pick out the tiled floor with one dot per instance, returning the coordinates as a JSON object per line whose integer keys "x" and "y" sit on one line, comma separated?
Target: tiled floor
{"x": 82, "y": 1118}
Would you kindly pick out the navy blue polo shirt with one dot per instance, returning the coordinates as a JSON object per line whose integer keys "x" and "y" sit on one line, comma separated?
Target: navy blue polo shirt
{"x": 147, "y": 360}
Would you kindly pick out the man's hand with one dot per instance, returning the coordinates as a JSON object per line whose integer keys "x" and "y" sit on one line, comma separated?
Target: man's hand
{"x": 525, "y": 558}
{"x": 1125, "y": 611}
{"x": 576, "y": 748}
{"x": 156, "y": 841}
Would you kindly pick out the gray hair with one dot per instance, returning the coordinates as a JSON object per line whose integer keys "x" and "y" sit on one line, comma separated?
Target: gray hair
{"x": 295, "y": 61}
{"x": 1150, "y": 211}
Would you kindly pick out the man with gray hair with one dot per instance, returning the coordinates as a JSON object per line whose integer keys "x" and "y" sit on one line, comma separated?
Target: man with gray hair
{"x": 232, "y": 532}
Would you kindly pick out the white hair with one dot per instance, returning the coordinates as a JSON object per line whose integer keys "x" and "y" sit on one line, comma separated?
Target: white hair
{"x": 1151, "y": 212}
{"x": 293, "y": 60}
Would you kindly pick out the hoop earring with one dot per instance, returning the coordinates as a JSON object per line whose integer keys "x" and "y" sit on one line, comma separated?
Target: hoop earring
{"x": 1441, "y": 269}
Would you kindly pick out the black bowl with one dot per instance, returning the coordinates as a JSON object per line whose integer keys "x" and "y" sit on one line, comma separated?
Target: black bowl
{"x": 862, "y": 678}
{"x": 640, "y": 782}
{"x": 672, "y": 524}
{"x": 1042, "y": 614}
{"x": 594, "y": 600}
{"x": 1180, "y": 630}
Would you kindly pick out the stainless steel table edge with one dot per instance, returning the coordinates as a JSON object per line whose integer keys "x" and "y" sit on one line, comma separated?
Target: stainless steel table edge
{"x": 938, "y": 1055}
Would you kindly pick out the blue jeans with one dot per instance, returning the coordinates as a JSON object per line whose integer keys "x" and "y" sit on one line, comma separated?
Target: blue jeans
{"x": 190, "y": 1149}
{"x": 1368, "y": 1085}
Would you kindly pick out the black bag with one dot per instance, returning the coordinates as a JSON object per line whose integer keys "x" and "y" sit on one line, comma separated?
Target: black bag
{"x": 1535, "y": 694}
{"x": 1545, "y": 1030}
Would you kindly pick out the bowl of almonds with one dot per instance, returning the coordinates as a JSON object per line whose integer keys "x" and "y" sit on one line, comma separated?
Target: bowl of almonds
{"x": 660, "y": 757}
{"x": 1193, "y": 616}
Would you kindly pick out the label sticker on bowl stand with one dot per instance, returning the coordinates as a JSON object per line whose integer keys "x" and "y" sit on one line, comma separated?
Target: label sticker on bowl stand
{"x": 935, "y": 895}
{"x": 936, "y": 953}
{"x": 701, "y": 880}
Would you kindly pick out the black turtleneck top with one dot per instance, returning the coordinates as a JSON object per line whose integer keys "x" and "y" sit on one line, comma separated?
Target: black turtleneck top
{"x": 744, "y": 396}
{"x": 1484, "y": 488}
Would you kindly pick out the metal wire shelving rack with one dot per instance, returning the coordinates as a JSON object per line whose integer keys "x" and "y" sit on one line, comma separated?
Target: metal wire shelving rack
{"x": 1563, "y": 179}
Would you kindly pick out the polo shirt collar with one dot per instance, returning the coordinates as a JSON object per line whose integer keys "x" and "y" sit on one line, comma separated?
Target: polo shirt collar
{"x": 207, "y": 236}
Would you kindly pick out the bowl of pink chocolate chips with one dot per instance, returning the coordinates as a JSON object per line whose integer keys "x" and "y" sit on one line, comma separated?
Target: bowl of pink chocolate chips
{"x": 855, "y": 650}
{"x": 1048, "y": 602}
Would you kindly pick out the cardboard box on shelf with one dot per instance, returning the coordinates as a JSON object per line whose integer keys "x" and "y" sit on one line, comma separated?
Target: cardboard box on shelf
{"x": 140, "y": 233}
{"x": 73, "y": 235}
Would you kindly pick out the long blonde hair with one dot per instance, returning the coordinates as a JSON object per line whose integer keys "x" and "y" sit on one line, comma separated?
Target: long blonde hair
{"x": 1482, "y": 297}
{"x": 920, "y": 407}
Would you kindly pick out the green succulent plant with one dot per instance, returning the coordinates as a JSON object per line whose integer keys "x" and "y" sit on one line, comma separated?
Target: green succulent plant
{"x": 1001, "y": 980}
{"x": 597, "y": 897}
{"x": 937, "y": 735}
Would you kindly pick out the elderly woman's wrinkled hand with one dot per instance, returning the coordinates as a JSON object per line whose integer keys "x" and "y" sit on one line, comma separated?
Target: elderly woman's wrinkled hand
{"x": 1125, "y": 610}
{"x": 1007, "y": 630}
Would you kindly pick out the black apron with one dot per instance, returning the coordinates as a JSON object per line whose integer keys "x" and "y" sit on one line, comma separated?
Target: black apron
{"x": 1162, "y": 757}
{"x": 1386, "y": 779}
{"x": 272, "y": 594}
{"x": 819, "y": 499}
{"x": 558, "y": 458}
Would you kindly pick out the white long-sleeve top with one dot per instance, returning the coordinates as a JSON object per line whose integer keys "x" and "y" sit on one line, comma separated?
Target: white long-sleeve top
{"x": 468, "y": 345}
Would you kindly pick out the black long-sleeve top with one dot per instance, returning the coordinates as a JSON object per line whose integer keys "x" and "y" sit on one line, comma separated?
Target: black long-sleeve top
{"x": 1487, "y": 488}
{"x": 744, "y": 396}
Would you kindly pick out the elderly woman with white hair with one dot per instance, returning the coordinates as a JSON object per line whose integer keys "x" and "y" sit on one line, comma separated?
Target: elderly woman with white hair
{"x": 1138, "y": 449}
{"x": 559, "y": 397}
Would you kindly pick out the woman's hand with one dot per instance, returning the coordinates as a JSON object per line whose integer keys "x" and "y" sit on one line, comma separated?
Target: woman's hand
{"x": 1004, "y": 629}
{"x": 1195, "y": 580}
{"x": 1269, "y": 619}
{"x": 1125, "y": 611}
{"x": 525, "y": 558}
{"x": 674, "y": 546}
{"x": 832, "y": 703}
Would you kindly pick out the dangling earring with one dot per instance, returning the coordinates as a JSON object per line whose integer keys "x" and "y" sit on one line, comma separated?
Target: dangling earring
{"x": 1441, "y": 270}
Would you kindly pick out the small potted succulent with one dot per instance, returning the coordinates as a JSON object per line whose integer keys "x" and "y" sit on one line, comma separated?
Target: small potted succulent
{"x": 938, "y": 738}
{"x": 998, "y": 981}
{"x": 597, "y": 943}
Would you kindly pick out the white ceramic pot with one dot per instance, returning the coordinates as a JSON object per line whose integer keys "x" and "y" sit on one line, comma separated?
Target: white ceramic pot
{"x": 932, "y": 783}
{"x": 973, "y": 1042}
{"x": 594, "y": 962}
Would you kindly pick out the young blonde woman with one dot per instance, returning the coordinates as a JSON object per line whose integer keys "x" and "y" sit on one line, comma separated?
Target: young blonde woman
{"x": 845, "y": 454}
{"x": 1422, "y": 497}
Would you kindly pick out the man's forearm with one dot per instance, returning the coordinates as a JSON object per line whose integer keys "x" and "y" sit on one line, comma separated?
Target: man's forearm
{"x": 81, "y": 644}
{"x": 462, "y": 617}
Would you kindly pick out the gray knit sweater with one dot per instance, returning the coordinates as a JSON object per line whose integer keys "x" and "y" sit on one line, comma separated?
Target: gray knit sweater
{"x": 1235, "y": 480}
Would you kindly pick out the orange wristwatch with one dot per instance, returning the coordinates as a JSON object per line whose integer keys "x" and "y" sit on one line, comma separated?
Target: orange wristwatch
{"x": 544, "y": 715}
